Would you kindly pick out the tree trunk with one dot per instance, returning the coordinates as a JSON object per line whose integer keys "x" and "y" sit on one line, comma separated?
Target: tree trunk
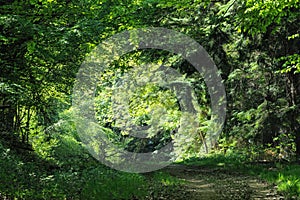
{"x": 297, "y": 140}
{"x": 293, "y": 81}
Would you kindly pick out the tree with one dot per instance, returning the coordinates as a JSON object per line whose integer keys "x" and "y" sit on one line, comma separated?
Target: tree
{"x": 268, "y": 44}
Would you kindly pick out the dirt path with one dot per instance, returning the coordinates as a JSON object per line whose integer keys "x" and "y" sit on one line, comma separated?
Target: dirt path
{"x": 215, "y": 184}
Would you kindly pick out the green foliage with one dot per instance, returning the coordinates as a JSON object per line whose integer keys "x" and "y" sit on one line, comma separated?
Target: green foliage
{"x": 291, "y": 64}
{"x": 258, "y": 16}
{"x": 290, "y": 186}
{"x": 166, "y": 179}
{"x": 71, "y": 173}
{"x": 255, "y": 45}
{"x": 113, "y": 185}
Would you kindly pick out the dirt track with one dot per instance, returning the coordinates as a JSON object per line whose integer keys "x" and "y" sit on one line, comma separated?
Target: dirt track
{"x": 214, "y": 184}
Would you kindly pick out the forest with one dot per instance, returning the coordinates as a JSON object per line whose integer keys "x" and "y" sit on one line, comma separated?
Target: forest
{"x": 149, "y": 99}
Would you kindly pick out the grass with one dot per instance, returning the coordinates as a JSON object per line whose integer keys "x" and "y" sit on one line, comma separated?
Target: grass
{"x": 166, "y": 179}
{"x": 27, "y": 176}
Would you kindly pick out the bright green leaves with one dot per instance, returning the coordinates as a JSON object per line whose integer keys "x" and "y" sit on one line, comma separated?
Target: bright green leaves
{"x": 291, "y": 64}
{"x": 257, "y": 16}
{"x": 150, "y": 105}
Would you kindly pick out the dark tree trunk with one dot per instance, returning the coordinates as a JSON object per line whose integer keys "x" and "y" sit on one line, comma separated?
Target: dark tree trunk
{"x": 294, "y": 101}
{"x": 298, "y": 145}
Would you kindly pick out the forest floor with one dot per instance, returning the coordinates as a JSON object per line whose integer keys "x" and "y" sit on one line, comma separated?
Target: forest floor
{"x": 215, "y": 184}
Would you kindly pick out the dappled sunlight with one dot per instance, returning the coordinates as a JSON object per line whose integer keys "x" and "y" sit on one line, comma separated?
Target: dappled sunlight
{"x": 149, "y": 99}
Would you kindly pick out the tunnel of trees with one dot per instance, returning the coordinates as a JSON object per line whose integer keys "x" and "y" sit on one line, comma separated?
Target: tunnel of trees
{"x": 254, "y": 44}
